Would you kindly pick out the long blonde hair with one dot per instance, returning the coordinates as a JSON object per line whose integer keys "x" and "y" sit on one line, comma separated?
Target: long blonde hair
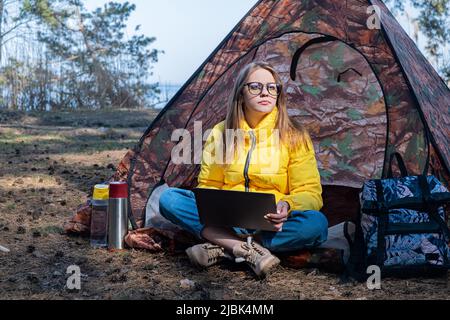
{"x": 292, "y": 134}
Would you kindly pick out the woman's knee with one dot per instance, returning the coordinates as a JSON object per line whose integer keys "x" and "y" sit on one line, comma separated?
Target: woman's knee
{"x": 174, "y": 202}
{"x": 318, "y": 219}
{"x": 166, "y": 201}
{"x": 317, "y": 226}
{"x": 304, "y": 229}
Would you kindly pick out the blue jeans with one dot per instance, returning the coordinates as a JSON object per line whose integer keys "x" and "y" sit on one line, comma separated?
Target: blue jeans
{"x": 303, "y": 229}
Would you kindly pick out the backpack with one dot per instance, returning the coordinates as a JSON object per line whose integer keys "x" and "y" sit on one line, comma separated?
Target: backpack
{"x": 401, "y": 227}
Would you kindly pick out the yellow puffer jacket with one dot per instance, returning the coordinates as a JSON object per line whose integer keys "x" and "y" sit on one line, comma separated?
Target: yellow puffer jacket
{"x": 264, "y": 166}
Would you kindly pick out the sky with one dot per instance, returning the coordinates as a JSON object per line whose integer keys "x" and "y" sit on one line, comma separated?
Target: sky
{"x": 188, "y": 31}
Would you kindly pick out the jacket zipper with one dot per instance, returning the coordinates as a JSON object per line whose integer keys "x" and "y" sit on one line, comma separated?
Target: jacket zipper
{"x": 247, "y": 162}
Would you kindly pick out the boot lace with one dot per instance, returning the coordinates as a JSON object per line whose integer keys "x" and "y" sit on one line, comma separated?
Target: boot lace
{"x": 253, "y": 252}
{"x": 214, "y": 252}
{"x": 258, "y": 249}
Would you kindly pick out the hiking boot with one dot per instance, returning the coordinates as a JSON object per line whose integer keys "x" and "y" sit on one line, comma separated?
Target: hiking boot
{"x": 256, "y": 256}
{"x": 206, "y": 254}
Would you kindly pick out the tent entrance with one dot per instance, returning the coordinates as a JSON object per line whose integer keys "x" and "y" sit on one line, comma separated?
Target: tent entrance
{"x": 333, "y": 91}
{"x": 341, "y": 203}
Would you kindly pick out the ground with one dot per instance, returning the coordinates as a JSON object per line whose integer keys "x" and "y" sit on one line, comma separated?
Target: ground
{"x": 50, "y": 162}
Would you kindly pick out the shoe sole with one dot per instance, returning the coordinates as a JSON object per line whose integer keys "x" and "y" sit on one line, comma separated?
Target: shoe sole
{"x": 269, "y": 267}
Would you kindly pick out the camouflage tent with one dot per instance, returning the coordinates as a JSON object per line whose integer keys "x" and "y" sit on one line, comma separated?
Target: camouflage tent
{"x": 362, "y": 93}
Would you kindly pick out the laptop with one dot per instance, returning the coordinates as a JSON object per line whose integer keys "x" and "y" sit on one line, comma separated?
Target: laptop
{"x": 226, "y": 208}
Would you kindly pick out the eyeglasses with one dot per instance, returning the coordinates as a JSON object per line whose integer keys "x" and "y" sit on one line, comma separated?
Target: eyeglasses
{"x": 256, "y": 88}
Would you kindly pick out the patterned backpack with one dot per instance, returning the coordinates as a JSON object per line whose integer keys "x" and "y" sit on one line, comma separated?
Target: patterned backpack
{"x": 402, "y": 226}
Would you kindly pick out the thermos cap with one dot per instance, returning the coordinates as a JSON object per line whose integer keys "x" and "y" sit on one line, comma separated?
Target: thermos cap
{"x": 101, "y": 192}
{"x": 118, "y": 189}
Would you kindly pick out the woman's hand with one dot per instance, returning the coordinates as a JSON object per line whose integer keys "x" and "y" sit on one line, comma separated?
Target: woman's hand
{"x": 277, "y": 219}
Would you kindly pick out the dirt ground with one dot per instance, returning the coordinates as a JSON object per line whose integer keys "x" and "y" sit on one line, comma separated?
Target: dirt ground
{"x": 50, "y": 162}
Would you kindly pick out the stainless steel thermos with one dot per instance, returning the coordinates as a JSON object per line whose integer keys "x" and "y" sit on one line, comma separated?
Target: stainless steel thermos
{"x": 117, "y": 214}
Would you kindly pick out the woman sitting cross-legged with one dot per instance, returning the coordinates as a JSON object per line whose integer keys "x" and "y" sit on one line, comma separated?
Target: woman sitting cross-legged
{"x": 275, "y": 155}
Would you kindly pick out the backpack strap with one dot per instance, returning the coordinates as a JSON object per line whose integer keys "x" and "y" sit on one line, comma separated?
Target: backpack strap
{"x": 383, "y": 220}
{"x": 347, "y": 234}
{"x": 430, "y": 207}
{"x": 401, "y": 165}
{"x": 428, "y": 144}
{"x": 357, "y": 262}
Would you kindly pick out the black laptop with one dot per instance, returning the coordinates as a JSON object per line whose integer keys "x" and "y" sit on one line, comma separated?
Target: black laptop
{"x": 225, "y": 208}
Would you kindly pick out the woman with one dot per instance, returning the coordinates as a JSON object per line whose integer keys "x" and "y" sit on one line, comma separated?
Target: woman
{"x": 257, "y": 107}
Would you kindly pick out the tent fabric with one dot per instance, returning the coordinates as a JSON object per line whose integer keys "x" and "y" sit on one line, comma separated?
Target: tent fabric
{"x": 362, "y": 94}
{"x": 431, "y": 92}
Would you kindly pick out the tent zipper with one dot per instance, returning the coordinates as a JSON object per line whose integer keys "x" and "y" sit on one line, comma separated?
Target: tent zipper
{"x": 247, "y": 161}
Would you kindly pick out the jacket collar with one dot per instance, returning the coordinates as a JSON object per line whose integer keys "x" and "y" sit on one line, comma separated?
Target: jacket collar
{"x": 267, "y": 123}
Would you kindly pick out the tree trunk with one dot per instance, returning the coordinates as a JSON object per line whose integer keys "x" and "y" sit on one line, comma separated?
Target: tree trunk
{"x": 103, "y": 78}
{"x": 2, "y": 4}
